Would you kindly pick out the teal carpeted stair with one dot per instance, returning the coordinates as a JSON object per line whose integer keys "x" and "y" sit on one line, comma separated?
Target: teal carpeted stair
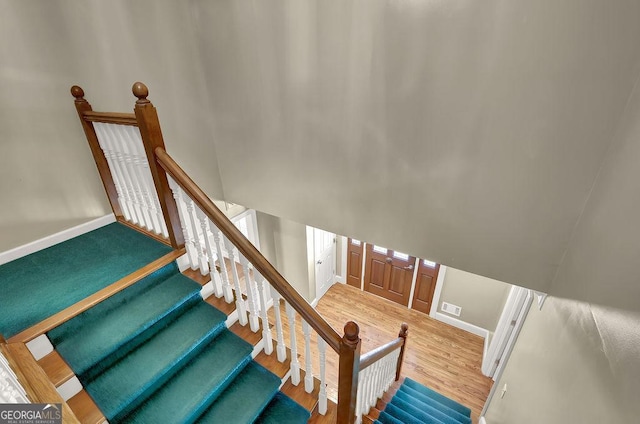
{"x": 157, "y": 353}
{"x": 414, "y": 403}
{"x": 39, "y": 285}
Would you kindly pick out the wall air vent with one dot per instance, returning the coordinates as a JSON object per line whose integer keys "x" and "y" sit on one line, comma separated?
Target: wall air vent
{"x": 451, "y": 309}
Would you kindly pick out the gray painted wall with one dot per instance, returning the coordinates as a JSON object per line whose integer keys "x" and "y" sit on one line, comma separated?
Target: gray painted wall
{"x": 48, "y": 181}
{"x": 284, "y": 243}
{"x": 578, "y": 360}
{"x": 481, "y": 299}
{"x": 476, "y": 128}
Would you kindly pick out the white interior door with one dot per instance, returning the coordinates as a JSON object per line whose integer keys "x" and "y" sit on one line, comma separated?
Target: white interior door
{"x": 324, "y": 247}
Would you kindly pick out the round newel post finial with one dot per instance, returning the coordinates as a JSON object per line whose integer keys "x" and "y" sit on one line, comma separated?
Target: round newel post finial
{"x": 77, "y": 92}
{"x": 141, "y": 92}
{"x": 351, "y": 332}
{"x": 404, "y": 330}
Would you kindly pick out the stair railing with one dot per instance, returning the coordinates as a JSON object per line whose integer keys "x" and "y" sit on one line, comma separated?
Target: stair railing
{"x": 379, "y": 368}
{"x": 123, "y": 161}
{"x": 149, "y": 191}
{"x": 213, "y": 236}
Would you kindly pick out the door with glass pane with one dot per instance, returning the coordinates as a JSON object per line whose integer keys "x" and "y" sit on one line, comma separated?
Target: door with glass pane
{"x": 354, "y": 262}
{"x": 425, "y": 285}
{"x": 388, "y": 273}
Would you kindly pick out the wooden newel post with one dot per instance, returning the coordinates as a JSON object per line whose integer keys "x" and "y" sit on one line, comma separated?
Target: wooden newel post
{"x": 404, "y": 331}
{"x": 348, "y": 373}
{"x": 149, "y": 126}
{"x": 83, "y": 106}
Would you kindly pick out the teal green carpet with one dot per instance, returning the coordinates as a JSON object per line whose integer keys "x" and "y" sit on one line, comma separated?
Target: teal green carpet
{"x": 414, "y": 403}
{"x": 157, "y": 353}
{"x": 39, "y": 285}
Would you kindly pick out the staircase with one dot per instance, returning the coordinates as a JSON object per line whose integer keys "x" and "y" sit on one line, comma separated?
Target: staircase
{"x": 414, "y": 403}
{"x": 147, "y": 348}
{"x": 156, "y": 352}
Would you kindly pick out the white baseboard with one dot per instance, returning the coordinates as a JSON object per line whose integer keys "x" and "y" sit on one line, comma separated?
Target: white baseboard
{"x": 314, "y": 302}
{"x": 482, "y": 421}
{"x": 54, "y": 239}
{"x": 474, "y": 329}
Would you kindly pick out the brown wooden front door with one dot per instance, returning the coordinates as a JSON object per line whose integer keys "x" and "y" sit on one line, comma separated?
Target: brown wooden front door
{"x": 388, "y": 274}
{"x": 354, "y": 262}
{"x": 425, "y": 286}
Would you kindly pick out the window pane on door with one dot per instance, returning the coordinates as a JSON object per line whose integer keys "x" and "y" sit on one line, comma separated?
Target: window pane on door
{"x": 380, "y": 249}
{"x": 401, "y": 256}
{"x": 430, "y": 264}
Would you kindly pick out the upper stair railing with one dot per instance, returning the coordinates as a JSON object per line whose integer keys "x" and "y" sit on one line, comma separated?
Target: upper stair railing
{"x": 149, "y": 191}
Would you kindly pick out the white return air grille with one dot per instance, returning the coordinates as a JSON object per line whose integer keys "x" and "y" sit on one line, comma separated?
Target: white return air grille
{"x": 451, "y": 309}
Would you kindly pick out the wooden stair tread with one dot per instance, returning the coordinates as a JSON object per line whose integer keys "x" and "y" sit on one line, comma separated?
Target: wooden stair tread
{"x": 85, "y": 409}
{"x": 196, "y": 276}
{"x": 298, "y": 393}
{"x": 271, "y": 362}
{"x": 56, "y": 368}
{"x": 245, "y": 333}
{"x": 34, "y": 380}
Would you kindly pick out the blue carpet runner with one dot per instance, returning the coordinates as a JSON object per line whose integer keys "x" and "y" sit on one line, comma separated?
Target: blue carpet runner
{"x": 414, "y": 403}
{"x": 157, "y": 353}
{"x": 39, "y": 285}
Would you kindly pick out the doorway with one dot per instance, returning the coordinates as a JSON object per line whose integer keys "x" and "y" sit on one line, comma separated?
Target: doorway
{"x": 324, "y": 255}
{"x": 355, "y": 250}
{"x": 388, "y": 273}
{"x": 425, "y": 285}
{"x": 392, "y": 274}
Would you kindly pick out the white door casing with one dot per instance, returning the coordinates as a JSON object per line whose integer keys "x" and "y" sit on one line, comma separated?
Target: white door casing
{"x": 324, "y": 249}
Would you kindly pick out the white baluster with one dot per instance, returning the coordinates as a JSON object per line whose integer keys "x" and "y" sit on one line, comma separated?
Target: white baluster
{"x": 366, "y": 386}
{"x": 226, "y": 286}
{"x": 322, "y": 396}
{"x": 241, "y": 307}
{"x": 266, "y": 331}
{"x": 251, "y": 293}
{"x": 308, "y": 378}
{"x": 360, "y": 397}
{"x": 215, "y": 279}
{"x": 127, "y": 147}
{"x": 139, "y": 159}
{"x": 178, "y": 195}
{"x": 125, "y": 161}
{"x": 375, "y": 382}
{"x": 295, "y": 365}
{"x": 123, "y": 196}
{"x": 281, "y": 349}
{"x": 202, "y": 260}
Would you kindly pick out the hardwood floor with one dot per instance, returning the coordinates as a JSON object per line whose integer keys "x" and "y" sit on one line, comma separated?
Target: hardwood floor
{"x": 438, "y": 355}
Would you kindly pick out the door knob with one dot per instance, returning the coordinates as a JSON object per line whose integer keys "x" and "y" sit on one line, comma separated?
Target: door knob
{"x": 409, "y": 268}
{"x": 389, "y": 260}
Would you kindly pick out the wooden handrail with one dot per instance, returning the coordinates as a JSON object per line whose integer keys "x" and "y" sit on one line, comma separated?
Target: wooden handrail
{"x": 374, "y": 355}
{"x": 268, "y": 271}
{"x": 380, "y": 352}
{"x": 110, "y": 117}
